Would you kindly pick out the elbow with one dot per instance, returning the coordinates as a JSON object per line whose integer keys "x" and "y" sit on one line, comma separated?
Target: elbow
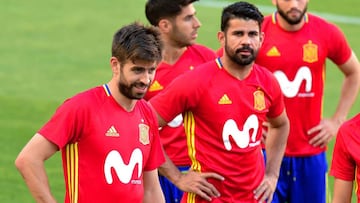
{"x": 20, "y": 162}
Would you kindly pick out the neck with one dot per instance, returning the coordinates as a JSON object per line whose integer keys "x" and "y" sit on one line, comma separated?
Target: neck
{"x": 126, "y": 103}
{"x": 171, "y": 54}
{"x": 234, "y": 69}
{"x": 286, "y": 26}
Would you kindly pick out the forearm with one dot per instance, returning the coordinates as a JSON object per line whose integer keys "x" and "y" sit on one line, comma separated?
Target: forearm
{"x": 36, "y": 179}
{"x": 349, "y": 89}
{"x": 30, "y": 163}
{"x": 169, "y": 170}
{"x": 152, "y": 189}
{"x": 275, "y": 148}
{"x": 349, "y": 92}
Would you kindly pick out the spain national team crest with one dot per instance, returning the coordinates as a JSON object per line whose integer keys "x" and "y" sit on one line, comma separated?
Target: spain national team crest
{"x": 259, "y": 100}
{"x": 144, "y": 134}
{"x": 310, "y": 52}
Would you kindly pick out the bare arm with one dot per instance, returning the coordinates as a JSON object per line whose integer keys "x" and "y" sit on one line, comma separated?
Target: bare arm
{"x": 328, "y": 128}
{"x": 30, "y": 163}
{"x": 152, "y": 189}
{"x": 278, "y": 131}
{"x": 342, "y": 191}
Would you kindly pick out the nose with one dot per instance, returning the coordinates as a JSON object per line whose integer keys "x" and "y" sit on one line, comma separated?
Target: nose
{"x": 246, "y": 39}
{"x": 197, "y": 22}
{"x": 293, "y": 3}
{"x": 146, "y": 78}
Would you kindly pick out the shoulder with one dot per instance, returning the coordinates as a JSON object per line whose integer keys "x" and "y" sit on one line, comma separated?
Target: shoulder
{"x": 201, "y": 47}
{"x": 268, "y": 21}
{"x": 202, "y": 50}
{"x": 351, "y": 125}
{"x": 87, "y": 98}
{"x": 320, "y": 23}
{"x": 206, "y": 68}
{"x": 198, "y": 76}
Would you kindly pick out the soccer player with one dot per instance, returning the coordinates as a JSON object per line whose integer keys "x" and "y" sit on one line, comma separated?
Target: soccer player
{"x": 224, "y": 103}
{"x": 346, "y": 161}
{"x": 108, "y": 135}
{"x": 295, "y": 49}
{"x": 178, "y": 26}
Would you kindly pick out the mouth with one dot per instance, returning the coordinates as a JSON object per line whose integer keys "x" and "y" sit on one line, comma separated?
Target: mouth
{"x": 245, "y": 52}
{"x": 141, "y": 87}
{"x": 294, "y": 12}
{"x": 194, "y": 35}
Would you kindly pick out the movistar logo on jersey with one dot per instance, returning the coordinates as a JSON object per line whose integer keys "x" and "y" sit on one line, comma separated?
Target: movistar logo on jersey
{"x": 176, "y": 122}
{"x": 123, "y": 171}
{"x": 244, "y": 138}
{"x": 291, "y": 89}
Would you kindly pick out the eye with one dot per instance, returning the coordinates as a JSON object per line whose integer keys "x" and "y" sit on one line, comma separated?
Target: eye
{"x": 253, "y": 34}
{"x": 138, "y": 70}
{"x": 151, "y": 70}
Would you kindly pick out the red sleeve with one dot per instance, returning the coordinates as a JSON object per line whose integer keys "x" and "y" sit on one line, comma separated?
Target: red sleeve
{"x": 339, "y": 49}
{"x": 66, "y": 123}
{"x": 342, "y": 166}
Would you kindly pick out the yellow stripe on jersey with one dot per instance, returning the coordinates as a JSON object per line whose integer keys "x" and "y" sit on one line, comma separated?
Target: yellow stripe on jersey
{"x": 356, "y": 186}
{"x": 191, "y": 198}
{"x": 189, "y": 124}
{"x": 72, "y": 170}
{"x": 273, "y": 18}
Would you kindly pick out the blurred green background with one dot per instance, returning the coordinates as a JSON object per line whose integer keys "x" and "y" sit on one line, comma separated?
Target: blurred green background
{"x": 50, "y": 50}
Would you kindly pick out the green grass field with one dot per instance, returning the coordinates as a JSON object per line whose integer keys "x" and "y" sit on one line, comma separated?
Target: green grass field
{"x": 50, "y": 50}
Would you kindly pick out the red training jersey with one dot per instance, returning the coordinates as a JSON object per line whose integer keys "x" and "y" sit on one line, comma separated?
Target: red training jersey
{"x": 346, "y": 156}
{"x": 173, "y": 135}
{"x": 105, "y": 149}
{"x": 223, "y": 121}
{"x": 297, "y": 59}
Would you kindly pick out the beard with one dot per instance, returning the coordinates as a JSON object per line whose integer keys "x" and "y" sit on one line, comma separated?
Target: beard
{"x": 292, "y": 21}
{"x": 242, "y": 60}
{"x": 181, "y": 39}
{"x": 128, "y": 89}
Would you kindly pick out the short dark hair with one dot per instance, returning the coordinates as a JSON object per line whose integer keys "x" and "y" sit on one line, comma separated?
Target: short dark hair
{"x": 242, "y": 10}
{"x": 155, "y": 10}
{"x": 137, "y": 42}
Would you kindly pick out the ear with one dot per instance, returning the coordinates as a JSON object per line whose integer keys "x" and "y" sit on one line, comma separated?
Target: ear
{"x": 114, "y": 64}
{"x": 262, "y": 37}
{"x": 221, "y": 38}
{"x": 165, "y": 25}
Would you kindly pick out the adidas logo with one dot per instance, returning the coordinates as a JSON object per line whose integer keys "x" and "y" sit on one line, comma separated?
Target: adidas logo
{"x": 155, "y": 86}
{"x": 112, "y": 132}
{"x": 225, "y": 100}
{"x": 273, "y": 52}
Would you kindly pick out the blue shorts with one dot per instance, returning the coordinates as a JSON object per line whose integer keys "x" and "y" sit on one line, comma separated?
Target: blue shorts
{"x": 302, "y": 180}
{"x": 171, "y": 192}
